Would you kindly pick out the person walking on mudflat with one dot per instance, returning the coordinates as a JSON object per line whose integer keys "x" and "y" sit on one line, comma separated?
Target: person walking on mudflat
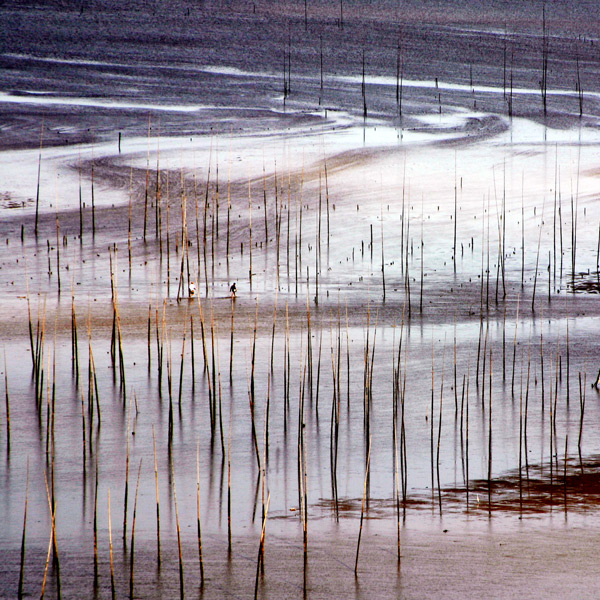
{"x": 233, "y": 290}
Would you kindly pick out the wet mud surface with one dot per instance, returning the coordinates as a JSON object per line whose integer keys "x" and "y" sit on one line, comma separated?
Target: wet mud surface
{"x": 413, "y": 337}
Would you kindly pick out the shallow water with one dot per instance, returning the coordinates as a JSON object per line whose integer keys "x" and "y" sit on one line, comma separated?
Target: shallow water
{"x": 353, "y": 272}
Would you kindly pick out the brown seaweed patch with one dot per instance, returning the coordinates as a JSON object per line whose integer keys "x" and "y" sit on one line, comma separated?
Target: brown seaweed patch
{"x": 7, "y": 200}
{"x": 574, "y": 485}
{"x": 375, "y": 508}
{"x": 585, "y": 283}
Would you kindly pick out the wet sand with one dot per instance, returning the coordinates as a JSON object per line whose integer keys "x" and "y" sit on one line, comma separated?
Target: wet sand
{"x": 438, "y": 561}
{"x": 413, "y": 287}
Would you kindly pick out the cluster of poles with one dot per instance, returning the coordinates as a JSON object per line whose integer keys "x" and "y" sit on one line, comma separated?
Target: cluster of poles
{"x": 175, "y": 240}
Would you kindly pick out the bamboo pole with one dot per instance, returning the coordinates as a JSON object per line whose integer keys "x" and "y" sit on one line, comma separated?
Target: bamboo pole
{"x": 158, "y": 556}
{"x": 7, "y": 403}
{"x": 181, "y": 579}
{"x": 95, "y": 527}
{"x": 200, "y": 558}
{"x": 362, "y": 510}
{"x": 52, "y": 524}
{"x": 112, "y": 566}
{"x": 132, "y": 554}
{"x": 37, "y": 195}
{"x": 229, "y": 484}
{"x": 22, "y": 563}
{"x": 260, "y": 558}
{"x": 126, "y": 495}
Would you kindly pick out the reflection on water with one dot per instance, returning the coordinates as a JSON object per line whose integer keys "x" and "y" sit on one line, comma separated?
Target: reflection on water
{"x": 404, "y": 285}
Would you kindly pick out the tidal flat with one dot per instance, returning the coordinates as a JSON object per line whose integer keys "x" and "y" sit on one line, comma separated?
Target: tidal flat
{"x": 399, "y": 399}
